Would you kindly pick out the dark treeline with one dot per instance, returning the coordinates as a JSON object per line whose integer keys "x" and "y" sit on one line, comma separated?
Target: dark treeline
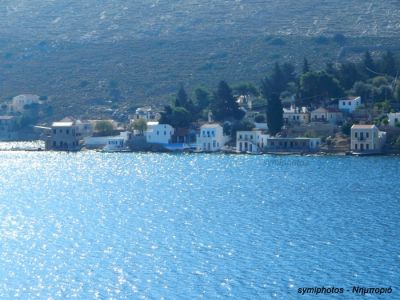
{"x": 375, "y": 80}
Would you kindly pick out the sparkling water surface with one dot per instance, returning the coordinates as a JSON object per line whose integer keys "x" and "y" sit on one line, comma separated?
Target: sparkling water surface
{"x": 161, "y": 226}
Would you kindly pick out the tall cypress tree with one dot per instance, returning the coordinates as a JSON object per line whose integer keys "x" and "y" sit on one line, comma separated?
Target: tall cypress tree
{"x": 181, "y": 98}
{"x": 271, "y": 89}
{"x": 274, "y": 114}
{"x": 369, "y": 65}
{"x": 306, "y": 66}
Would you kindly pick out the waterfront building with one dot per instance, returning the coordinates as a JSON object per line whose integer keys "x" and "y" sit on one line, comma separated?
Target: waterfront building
{"x": 349, "y": 105}
{"x": 118, "y": 143}
{"x": 64, "y": 136}
{"x": 394, "y": 119}
{"x": 159, "y": 133}
{"x": 8, "y": 128}
{"x": 367, "y": 139}
{"x": 298, "y": 144}
{"x": 211, "y": 138}
{"x": 252, "y": 141}
{"x": 115, "y": 142}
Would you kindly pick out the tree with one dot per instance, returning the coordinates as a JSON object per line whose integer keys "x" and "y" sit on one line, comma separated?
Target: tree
{"x": 397, "y": 91}
{"x": 369, "y": 65}
{"x": 339, "y": 39}
{"x": 242, "y": 125}
{"x": 306, "y": 66}
{"x": 274, "y": 114}
{"x": 140, "y": 125}
{"x": 275, "y": 84}
{"x": 330, "y": 69}
{"x": 348, "y": 74}
{"x": 104, "y": 128}
{"x": 181, "y": 98}
{"x": 181, "y": 117}
{"x": 388, "y": 64}
{"x": 365, "y": 90}
{"x": 245, "y": 88}
{"x": 166, "y": 115}
{"x": 289, "y": 72}
{"x": 316, "y": 86}
{"x": 223, "y": 105}
{"x": 202, "y": 99}
{"x": 260, "y": 118}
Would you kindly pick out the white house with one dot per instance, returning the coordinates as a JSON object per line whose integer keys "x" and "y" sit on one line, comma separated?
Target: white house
{"x": 251, "y": 141}
{"x": 116, "y": 142}
{"x": 158, "y": 133}
{"x": 394, "y": 118}
{"x": 295, "y": 115}
{"x": 211, "y": 138}
{"x": 367, "y": 139}
{"x": 18, "y": 102}
{"x": 349, "y": 105}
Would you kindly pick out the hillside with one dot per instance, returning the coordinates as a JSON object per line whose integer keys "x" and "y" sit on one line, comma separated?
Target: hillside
{"x": 84, "y": 54}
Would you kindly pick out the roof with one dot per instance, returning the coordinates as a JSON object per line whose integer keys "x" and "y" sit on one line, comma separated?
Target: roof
{"x": 320, "y": 109}
{"x": 212, "y": 125}
{"x": 333, "y": 110}
{"x": 6, "y": 117}
{"x": 363, "y": 126}
{"x": 350, "y": 98}
{"x": 62, "y": 124}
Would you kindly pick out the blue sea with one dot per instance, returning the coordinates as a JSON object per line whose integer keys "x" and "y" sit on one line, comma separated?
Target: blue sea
{"x": 174, "y": 226}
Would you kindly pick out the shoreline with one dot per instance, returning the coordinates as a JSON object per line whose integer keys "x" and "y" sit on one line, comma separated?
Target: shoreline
{"x": 320, "y": 153}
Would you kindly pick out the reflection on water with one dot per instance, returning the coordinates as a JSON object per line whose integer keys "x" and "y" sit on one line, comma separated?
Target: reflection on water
{"x": 33, "y": 145}
{"x": 152, "y": 226}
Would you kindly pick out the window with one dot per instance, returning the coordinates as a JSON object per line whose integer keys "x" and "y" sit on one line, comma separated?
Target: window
{"x": 367, "y": 146}
{"x": 355, "y": 146}
{"x": 54, "y": 131}
{"x": 240, "y": 137}
{"x": 367, "y": 135}
{"x": 355, "y": 134}
{"x": 165, "y": 133}
{"x": 158, "y": 133}
{"x": 67, "y": 131}
{"x": 349, "y": 103}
